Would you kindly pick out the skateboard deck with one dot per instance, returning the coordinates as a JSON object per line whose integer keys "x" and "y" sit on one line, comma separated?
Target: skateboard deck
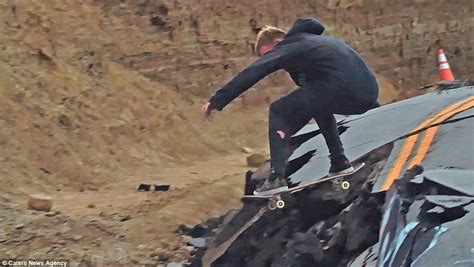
{"x": 338, "y": 181}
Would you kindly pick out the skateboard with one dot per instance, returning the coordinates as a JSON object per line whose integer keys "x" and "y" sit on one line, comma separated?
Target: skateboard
{"x": 276, "y": 202}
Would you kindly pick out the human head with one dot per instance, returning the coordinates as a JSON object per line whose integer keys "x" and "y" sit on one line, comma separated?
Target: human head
{"x": 268, "y": 37}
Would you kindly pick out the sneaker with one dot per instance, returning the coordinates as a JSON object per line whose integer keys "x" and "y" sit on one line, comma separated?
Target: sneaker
{"x": 271, "y": 187}
{"x": 339, "y": 166}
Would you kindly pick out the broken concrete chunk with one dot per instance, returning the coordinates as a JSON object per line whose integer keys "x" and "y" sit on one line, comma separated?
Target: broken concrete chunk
{"x": 40, "y": 202}
{"x": 449, "y": 202}
{"x": 162, "y": 187}
{"x": 198, "y": 242}
{"x": 255, "y": 160}
{"x": 436, "y": 209}
{"x": 157, "y": 187}
{"x": 144, "y": 187}
{"x": 456, "y": 179}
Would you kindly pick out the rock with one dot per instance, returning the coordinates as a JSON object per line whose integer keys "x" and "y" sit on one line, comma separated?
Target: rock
{"x": 147, "y": 263}
{"x": 255, "y": 160}
{"x": 40, "y": 202}
{"x": 76, "y": 237}
{"x": 198, "y": 230}
{"x": 339, "y": 237}
{"x": 6, "y": 199}
{"x": 163, "y": 256}
{"x": 91, "y": 206}
{"x": 62, "y": 242}
{"x": 174, "y": 264}
{"x": 51, "y": 213}
{"x": 32, "y": 212}
{"x": 125, "y": 218}
{"x": 141, "y": 246}
{"x": 186, "y": 238}
{"x": 19, "y": 226}
{"x": 246, "y": 150}
{"x": 190, "y": 248}
{"x": 86, "y": 261}
{"x": 199, "y": 242}
{"x": 135, "y": 260}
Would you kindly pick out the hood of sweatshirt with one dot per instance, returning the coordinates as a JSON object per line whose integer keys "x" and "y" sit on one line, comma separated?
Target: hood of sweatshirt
{"x": 306, "y": 25}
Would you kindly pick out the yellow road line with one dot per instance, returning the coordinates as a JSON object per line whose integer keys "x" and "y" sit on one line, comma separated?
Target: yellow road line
{"x": 431, "y": 132}
{"x": 411, "y": 140}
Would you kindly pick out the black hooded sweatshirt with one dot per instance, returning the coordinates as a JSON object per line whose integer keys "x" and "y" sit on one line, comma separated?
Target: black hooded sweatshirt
{"x": 308, "y": 57}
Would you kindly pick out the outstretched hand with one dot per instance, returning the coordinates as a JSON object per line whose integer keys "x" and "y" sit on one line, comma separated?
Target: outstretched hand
{"x": 207, "y": 110}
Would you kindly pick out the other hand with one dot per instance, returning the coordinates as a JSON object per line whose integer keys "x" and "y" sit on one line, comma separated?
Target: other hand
{"x": 207, "y": 110}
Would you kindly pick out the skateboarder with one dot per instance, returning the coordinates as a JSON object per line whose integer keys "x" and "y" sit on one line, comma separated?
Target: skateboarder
{"x": 332, "y": 79}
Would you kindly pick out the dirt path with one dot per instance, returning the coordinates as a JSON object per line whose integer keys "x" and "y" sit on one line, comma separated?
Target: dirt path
{"x": 199, "y": 191}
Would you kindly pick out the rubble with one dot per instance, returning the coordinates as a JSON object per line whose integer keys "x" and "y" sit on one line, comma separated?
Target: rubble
{"x": 340, "y": 223}
{"x": 432, "y": 214}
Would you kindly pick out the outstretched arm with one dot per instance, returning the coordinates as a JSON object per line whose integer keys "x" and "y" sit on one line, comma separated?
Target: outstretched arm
{"x": 270, "y": 62}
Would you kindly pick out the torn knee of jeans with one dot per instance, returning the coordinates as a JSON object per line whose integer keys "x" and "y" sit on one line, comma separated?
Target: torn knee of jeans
{"x": 281, "y": 134}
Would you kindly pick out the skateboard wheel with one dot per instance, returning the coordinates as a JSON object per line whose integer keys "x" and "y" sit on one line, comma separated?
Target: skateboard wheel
{"x": 272, "y": 205}
{"x": 345, "y": 185}
{"x": 280, "y": 204}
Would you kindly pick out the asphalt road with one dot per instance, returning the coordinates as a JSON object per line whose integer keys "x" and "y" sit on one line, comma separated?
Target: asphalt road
{"x": 435, "y": 140}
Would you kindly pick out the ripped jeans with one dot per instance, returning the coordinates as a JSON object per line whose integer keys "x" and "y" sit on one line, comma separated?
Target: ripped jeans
{"x": 290, "y": 113}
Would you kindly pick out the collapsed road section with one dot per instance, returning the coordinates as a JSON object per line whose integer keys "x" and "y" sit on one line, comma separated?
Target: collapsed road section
{"x": 409, "y": 206}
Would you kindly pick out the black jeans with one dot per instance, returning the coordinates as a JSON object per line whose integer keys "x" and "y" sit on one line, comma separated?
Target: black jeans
{"x": 319, "y": 101}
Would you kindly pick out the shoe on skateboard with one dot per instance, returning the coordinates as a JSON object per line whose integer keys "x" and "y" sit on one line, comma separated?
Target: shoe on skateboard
{"x": 340, "y": 166}
{"x": 271, "y": 187}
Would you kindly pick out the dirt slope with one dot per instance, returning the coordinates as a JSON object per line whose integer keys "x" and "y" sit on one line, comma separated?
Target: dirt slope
{"x": 69, "y": 109}
{"x": 84, "y": 129}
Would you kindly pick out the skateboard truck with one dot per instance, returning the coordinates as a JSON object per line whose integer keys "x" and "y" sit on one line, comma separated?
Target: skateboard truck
{"x": 339, "y": 183}
{"x": 276, "y": 202}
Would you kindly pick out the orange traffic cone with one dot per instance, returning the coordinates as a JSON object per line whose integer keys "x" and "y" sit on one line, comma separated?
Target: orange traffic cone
{"x": 445, "y": 73}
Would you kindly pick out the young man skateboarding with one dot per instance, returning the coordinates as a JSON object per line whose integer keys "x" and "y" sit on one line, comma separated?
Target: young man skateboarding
{"x": 332, "y": 79}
